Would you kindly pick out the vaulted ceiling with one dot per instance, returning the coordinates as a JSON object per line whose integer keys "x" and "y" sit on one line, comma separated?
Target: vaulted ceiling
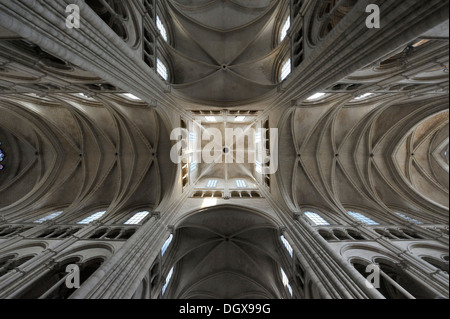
{"x": 72, "y": 151}
{"x": 227, "y": 253}
{"x": 223, "y": 52}
{"x": 74, "y": 141}
{"x": 376, "y": 139}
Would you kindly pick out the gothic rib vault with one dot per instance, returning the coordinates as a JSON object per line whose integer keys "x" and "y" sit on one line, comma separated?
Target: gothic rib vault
{"x": 85, "y": 125}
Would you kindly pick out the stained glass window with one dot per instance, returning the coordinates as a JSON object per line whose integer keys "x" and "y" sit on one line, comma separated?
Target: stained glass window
{"x": 362, "y": 218}
{"x": 137, "y": 218}
{"x": 286, "y": 281}
{"x": 316, "y": 219}
{"x": 286, "y": 69}
{"x": 169, "y": 276}
{"x": 415, "y": 221}
{"x": 166, "y": 245}
{"x": 92, "y": 218}
{"x": 162, "y": 69}
{"x": 2, "y": 158}
{"x": 287, "y": 245}
{"x": 241, "y": 183}
{"x": 48, "y": 217}
{"x": 161, "y": 28}
{"x": 212, "y": 183}
{"x": 285, "y": 29}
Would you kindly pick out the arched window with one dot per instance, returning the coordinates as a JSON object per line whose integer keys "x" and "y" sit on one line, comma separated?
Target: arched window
{"x": 288, "y": 246}
{"x": 162, "y": 69}
{"x": 166, "y": 245}
{"x": 285, "y": 70}
{"x": 415, "y": 221}
{"x": 161, "y": 28}
{"x": 212, "y": 183}
{"x": 48, "y": 217}
{"x": 92, "y": 218}
{"x": 240, "y": 183}
{"x": 285, "y": 279}
{"x": 316, "y": 219}
{"x": 169, "y": 276}
{"x": 285, "y": 29}
{"x": 360, "y": 217}
{"x": 137, "y": 218}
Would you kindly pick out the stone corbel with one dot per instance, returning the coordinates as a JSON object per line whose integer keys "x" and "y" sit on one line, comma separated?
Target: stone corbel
{"x": 50, "y": 223}
{"x": 153, "y": 103}
{"x": 51, "y": 264}
{"x": 96, "y": 223}
{"x": 296, "y": 216}
{"x": 156, "y": 215}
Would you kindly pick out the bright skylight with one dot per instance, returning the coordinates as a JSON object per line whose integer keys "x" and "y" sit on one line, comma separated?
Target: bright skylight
{"x": 362, "y": 218}
{"x": 287, "y": 245}
{"x": 239, "y": 119}
{"x": 241, "y": 183}
{"x": 92, "y": 218}
{"x": 161, "y": 28}
{"x": 316, "y": 96}
{"x": 415, "y": 221}
{"x": 285, "y": 70}
{"x": 166, "y": 245}
{"x": 137, "y": 218}
{"x": 49, "y": 217}
{"x": 316, "y": 219}
{"x": 210, "y": 118}
{"x": 162, "y": 69}
{"x": 285, "y": 28}
{"x": 212, "y": 183}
